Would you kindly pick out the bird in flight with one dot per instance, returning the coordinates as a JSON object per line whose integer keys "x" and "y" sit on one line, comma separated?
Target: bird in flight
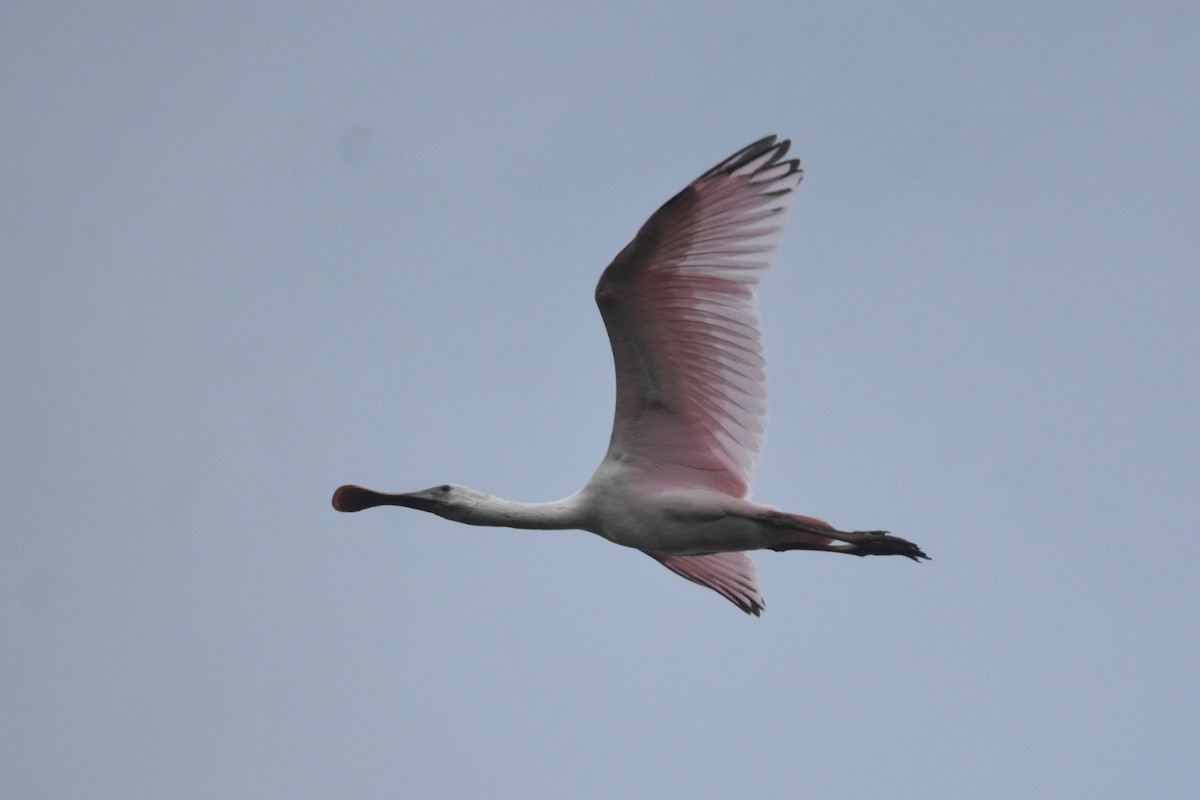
{"x": 678, "y": 303}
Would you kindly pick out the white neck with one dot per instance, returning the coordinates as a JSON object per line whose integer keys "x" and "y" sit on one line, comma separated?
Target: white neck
{"x": 484, "y": 509}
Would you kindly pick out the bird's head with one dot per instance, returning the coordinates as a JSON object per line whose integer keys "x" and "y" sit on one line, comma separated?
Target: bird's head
{"x": 449, "y": 500}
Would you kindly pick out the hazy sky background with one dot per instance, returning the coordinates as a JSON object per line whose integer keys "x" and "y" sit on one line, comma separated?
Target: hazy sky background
{"x": 252, "y": 251}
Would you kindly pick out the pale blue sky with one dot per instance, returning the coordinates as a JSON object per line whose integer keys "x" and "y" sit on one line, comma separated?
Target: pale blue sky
{"x": 253, "y": 251}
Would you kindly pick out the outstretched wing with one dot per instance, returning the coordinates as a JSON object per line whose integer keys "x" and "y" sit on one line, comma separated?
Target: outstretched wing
{"x": 678, "y": 303}
{"x": 731, "y": 575}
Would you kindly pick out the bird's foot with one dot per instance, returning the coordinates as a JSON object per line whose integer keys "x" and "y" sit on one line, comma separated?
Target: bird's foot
{"x": 881, "y": 543}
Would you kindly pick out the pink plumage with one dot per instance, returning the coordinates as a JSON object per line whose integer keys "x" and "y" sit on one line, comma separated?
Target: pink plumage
{"x": 678, "y": 303}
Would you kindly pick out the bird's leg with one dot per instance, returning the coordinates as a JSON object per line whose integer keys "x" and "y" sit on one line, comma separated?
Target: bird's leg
{"x": 878, "y": 543}
{"x": 856, "y": 543}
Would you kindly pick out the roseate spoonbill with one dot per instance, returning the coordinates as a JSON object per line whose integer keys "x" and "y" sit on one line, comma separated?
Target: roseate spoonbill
{"x": 678, "y": 303}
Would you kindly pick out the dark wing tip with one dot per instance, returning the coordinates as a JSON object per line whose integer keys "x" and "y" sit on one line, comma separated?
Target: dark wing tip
{"x": 749, "y": 153}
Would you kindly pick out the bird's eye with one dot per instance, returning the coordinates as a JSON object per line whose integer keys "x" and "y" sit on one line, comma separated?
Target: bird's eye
{"x": 445, "y": 488}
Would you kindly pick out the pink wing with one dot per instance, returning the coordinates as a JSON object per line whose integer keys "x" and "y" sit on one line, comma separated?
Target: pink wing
{"x": 678, "y": 303}
{"x": 731, "y": 575}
